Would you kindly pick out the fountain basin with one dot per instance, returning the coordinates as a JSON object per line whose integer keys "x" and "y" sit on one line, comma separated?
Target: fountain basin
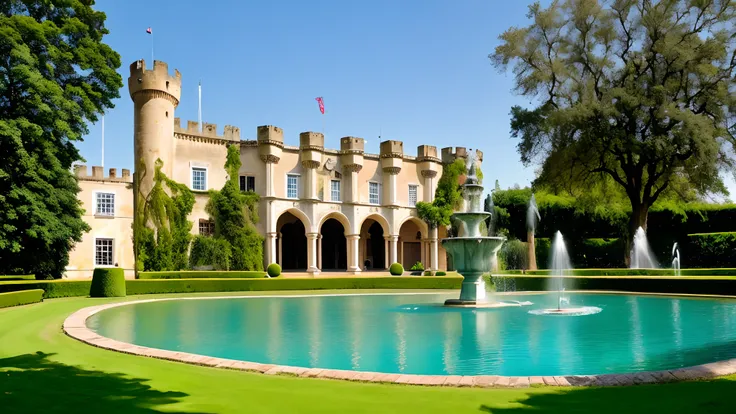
{"x": 468, "y": 224}
{"x": 472, "y": 256}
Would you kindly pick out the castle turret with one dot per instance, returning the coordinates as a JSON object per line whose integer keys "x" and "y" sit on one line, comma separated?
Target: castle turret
{"x": 270, "y": 144}
{"x": 155, "y": 94}
{"x": 311, "y": 145}
{"x": 429, "y": 165}
{"x": 392, "y": 159}
{"x": 351, "y": 158}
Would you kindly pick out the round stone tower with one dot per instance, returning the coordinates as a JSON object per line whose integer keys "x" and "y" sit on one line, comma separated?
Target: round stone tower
{"x": 155, "y": 95}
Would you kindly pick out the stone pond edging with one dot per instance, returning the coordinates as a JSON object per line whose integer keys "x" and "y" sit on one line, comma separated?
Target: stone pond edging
{"x": 75, "y": 326}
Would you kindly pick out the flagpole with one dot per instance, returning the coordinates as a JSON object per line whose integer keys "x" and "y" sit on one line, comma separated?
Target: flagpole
{"x": 152, "y": 60}
{"x": 102, "y": 162}
{"x": 199, "y": 111}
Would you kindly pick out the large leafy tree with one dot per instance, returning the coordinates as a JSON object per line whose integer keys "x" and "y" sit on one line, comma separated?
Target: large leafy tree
{"x": 639, "y": 92}
{"x": 56, "y": 75}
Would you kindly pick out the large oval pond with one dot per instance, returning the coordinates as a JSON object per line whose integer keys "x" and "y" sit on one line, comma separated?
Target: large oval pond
{"x": 412, "y": 334}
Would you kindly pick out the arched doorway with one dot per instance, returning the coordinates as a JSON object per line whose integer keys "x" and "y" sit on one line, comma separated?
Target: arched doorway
{"x": 411, "y": 244}
{"x": 373, "y": 245}
{"x": 334, "y": 245}
{"x": 292, "y": 243}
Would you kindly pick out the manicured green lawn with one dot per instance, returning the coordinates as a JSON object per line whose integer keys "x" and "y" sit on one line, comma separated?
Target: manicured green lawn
{"x": 43, "y": 370}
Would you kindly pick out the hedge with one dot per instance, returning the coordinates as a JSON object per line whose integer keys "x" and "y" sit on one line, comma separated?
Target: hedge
{"x": 17, "y": 277}
{"x": 23, "y": 297}
{"x": 667, "y": 223}
{"x": 561, "y": 214}
{"x": 141, "y": 287}
{"x": 68, "y": 288}
{"x": 107, "y": 283}
{"x": 683, "y": 285}
{"x": 202, "y": 274}
{"x": 59, "y": 288}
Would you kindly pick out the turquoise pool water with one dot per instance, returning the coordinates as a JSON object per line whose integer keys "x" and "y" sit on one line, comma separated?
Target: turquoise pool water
{"x": 412, "y": 334}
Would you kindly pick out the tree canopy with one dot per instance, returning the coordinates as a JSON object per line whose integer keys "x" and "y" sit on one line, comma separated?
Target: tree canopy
{"x": 56, "y": 74}
{"x": 637, "y": 92}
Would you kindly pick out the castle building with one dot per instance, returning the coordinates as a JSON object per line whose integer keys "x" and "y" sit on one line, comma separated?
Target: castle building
{"x": 320, "y": 209}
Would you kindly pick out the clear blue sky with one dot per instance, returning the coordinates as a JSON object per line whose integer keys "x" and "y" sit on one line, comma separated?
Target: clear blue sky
{"x": 410, "y": 70}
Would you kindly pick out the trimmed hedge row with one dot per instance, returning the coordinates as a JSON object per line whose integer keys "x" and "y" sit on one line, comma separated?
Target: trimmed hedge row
{"x": 142, "y": 287}
{"x": 17, "y": 277}
{"x": 58, "y": 288}
{"x": 628, "y": 272}
{"x": 23, "y": 297}
{"x": 683, "y": 285}
{"x": 203, "y": 274}
{"x": 68, "y": 288}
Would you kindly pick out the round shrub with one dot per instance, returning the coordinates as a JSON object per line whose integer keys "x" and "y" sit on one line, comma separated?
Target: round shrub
{"x": 274, "y": 270}
{"x": 440, "y": 273}
{"x": 428, "y": 273}
{"x": 396, "y": 269}
{"x": 107, "y": 283}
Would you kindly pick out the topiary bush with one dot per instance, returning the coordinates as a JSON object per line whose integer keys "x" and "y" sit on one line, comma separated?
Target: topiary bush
{"x": 396, "y": 269}
{"x": 428, "y": 273}
{"x": 107, "y": 283}
{"x": 417, "y": 266}
{"x": 440, "y": 273}
{"x": 274, "y": 270}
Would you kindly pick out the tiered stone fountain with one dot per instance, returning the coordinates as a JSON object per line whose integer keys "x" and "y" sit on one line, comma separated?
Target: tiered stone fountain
{"x": 472, "y": 254}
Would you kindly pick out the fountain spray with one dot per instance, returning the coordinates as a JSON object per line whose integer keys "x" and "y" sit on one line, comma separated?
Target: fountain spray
{"x": 532, "y": 218}
{"x": 471, "y": 253}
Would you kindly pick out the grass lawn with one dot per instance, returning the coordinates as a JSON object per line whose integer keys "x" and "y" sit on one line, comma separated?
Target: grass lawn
{"x": 43, "y": 370}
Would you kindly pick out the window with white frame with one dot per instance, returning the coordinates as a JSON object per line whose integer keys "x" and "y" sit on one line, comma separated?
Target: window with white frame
{"x": 103, "y": 252}
{"x": 247, "y": 183}
{"x": 104, "y": 204}
{"x": 292, "y": 186}
{"x": 374, "y": 193}
{"x": 413, "y": 195}
{"x": 335, "y": 190}
{"x": 199, "y": 178}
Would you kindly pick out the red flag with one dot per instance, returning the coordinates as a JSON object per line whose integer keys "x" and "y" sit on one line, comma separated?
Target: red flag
{"x": 149, "y": 31}
{"x": 321, "y": 103}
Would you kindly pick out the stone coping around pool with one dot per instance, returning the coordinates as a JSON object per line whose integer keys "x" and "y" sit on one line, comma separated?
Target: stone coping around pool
{"x": 75, "y": 326}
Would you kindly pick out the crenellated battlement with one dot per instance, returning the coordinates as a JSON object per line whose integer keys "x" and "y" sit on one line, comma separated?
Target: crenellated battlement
{"x": 427, "y": 153}
{"x": 270, "y": 134}
{"x": 311, "y": 141}
{"x": 98, "y": 174}
{"x": 352, "y": 145}
{"x": 392, "y": 149}
{"x": 156, "y": 81}
{"x": 231, "y": 133}
{"x": 450, "y": 154}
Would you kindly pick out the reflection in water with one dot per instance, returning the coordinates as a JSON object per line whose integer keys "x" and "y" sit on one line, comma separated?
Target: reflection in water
{"x": 411, "y": 334}
{"x": 273, "y": 345}
{"x": 401, "y": 336}
{"x": 314, "y": 331}
{"x": 676, "y": 323}
{"x": 637, "y": 342}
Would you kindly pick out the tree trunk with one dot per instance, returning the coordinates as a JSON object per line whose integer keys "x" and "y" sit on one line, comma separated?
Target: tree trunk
{"x": 532, "y": 250}
{"x": 639, "y": 213}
